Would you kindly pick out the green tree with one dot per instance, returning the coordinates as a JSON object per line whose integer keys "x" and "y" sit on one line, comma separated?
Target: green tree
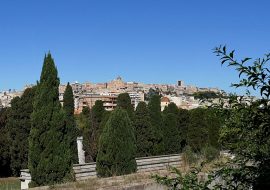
{"x": 172, "y": 140}
{"x": 84, "y": 122}
{"x": 157, "y": 124}
{"x": 98, "y": 111}
{"x": 117, "y": 149}
{"x": 183, "y": 119}
{"x": 151, "y": 93}
{"x": 171, "y": 108}
{"x": 215, "y": 120}
{"x": 50, "y": 159}
{"x": 83, "y": 119}
{"x": 246, "y": 131}
{"x": 5, "y": 170}
{"x": 143, "y": 130}
{"x": 18, "y": 126}
{"x": 206, "y": 95}
{"x": 197, "y": 133}
{"x": 93, "y": 130}
{"x": 72, "y": 131}
{"x": 124, "y": 102}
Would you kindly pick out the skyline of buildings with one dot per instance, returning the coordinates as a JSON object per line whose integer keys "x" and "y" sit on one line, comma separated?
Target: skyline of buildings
{"x": 87, "y": 93}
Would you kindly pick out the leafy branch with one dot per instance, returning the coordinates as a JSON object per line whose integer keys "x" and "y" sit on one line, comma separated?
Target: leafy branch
{"x": 256, "y": 74}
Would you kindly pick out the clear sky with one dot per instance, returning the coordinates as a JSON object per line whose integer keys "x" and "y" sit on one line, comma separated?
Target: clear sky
{"x": 151, "y": 41}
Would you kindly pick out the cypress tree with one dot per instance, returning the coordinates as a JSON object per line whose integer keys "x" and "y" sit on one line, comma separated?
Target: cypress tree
{"x": 124, "y": 102}
{"x": 50, "y": 158}
{"x": 19, "y": 125}
{"x": 157, "y": 123}
{"x": 183, "y": 119}
{"x": 172, "y": 141}
{"x": 171, "y": 108}
{"x": 98, "y": 111}
{"x": 85, "y": 125}
{"x": 5, "y": 170}
{"x": 143, "y": 130}
{"x": 197, "y": 133}
{"x": 93, "y": 130}
{"x": 72, "y": 131}
{"x": 116, "y": 153}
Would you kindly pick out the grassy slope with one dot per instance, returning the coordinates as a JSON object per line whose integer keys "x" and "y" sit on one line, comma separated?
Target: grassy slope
{"x": 10, "y": 183}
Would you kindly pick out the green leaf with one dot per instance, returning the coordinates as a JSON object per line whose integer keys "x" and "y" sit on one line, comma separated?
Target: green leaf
{"x": 245, "y": 60}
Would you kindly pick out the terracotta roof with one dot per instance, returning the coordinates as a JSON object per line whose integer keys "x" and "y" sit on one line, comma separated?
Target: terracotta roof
{"x": 165, "y": 99}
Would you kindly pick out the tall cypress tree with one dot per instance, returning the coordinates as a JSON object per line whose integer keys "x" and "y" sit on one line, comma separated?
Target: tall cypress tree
{"x": 124, "y": 102}
{"x": 157, "y": 123}
{"x": 117, "y": 149}
{"x": 93, "y": 130}
{"x": 19, "y": 125}
{"x": 72, "y": 131}
{"x": 50, "y": 158}
{"x": 143, "y": 130}
{"x": 172, "y": 141}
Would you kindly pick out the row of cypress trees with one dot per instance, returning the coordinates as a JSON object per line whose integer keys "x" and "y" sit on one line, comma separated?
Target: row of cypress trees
{"x": 125, "y": 134}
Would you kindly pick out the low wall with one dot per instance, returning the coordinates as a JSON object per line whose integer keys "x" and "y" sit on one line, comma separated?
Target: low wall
{"x": 88, "y": 170}
{"x": 85, "y": 171}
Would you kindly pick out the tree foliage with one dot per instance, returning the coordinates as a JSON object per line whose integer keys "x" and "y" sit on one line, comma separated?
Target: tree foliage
{"x": 172, "y": 142}
{"x": 171, "y": 108}
{"x": 124, "y": 102}
{"x": 116, "y": 153}
{"x": 5, "y": 170}
{"x": 50, "y": 158}
{"x": 206, "y": 95}
{"x": 18, "y": 126}
{"x": 197, "y": 133}
{"x": 93, "y": 129}
{"x": 183, "y": 119}
{"x": 246, "y": 131}
{"x": 143, "y": 130}
{"x": 157, "y": 124}
{"x": 72, "y": 131}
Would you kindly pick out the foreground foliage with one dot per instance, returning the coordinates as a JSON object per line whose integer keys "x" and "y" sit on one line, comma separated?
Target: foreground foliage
{"x": 245, "y": 134}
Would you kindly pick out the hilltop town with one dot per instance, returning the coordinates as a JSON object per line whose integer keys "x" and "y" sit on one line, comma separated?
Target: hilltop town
{"x": 87, "y": 93}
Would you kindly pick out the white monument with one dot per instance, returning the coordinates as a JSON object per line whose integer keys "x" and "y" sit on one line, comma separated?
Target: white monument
{"x": 81, "y": 154}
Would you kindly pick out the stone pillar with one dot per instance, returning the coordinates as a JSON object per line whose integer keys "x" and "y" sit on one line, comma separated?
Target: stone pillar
{"x": 81, "y": 154}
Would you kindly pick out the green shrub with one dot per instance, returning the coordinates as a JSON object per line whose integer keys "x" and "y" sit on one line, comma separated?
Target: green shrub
{"x": 210, "y": 153}
{"x": 189, "y": 156}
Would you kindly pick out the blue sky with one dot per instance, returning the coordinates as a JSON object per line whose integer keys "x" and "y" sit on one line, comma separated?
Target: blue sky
{"x": 151, "y": 41}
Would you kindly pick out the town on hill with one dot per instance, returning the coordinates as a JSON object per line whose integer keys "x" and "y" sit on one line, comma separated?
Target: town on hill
{"x": 87, "y": 93}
